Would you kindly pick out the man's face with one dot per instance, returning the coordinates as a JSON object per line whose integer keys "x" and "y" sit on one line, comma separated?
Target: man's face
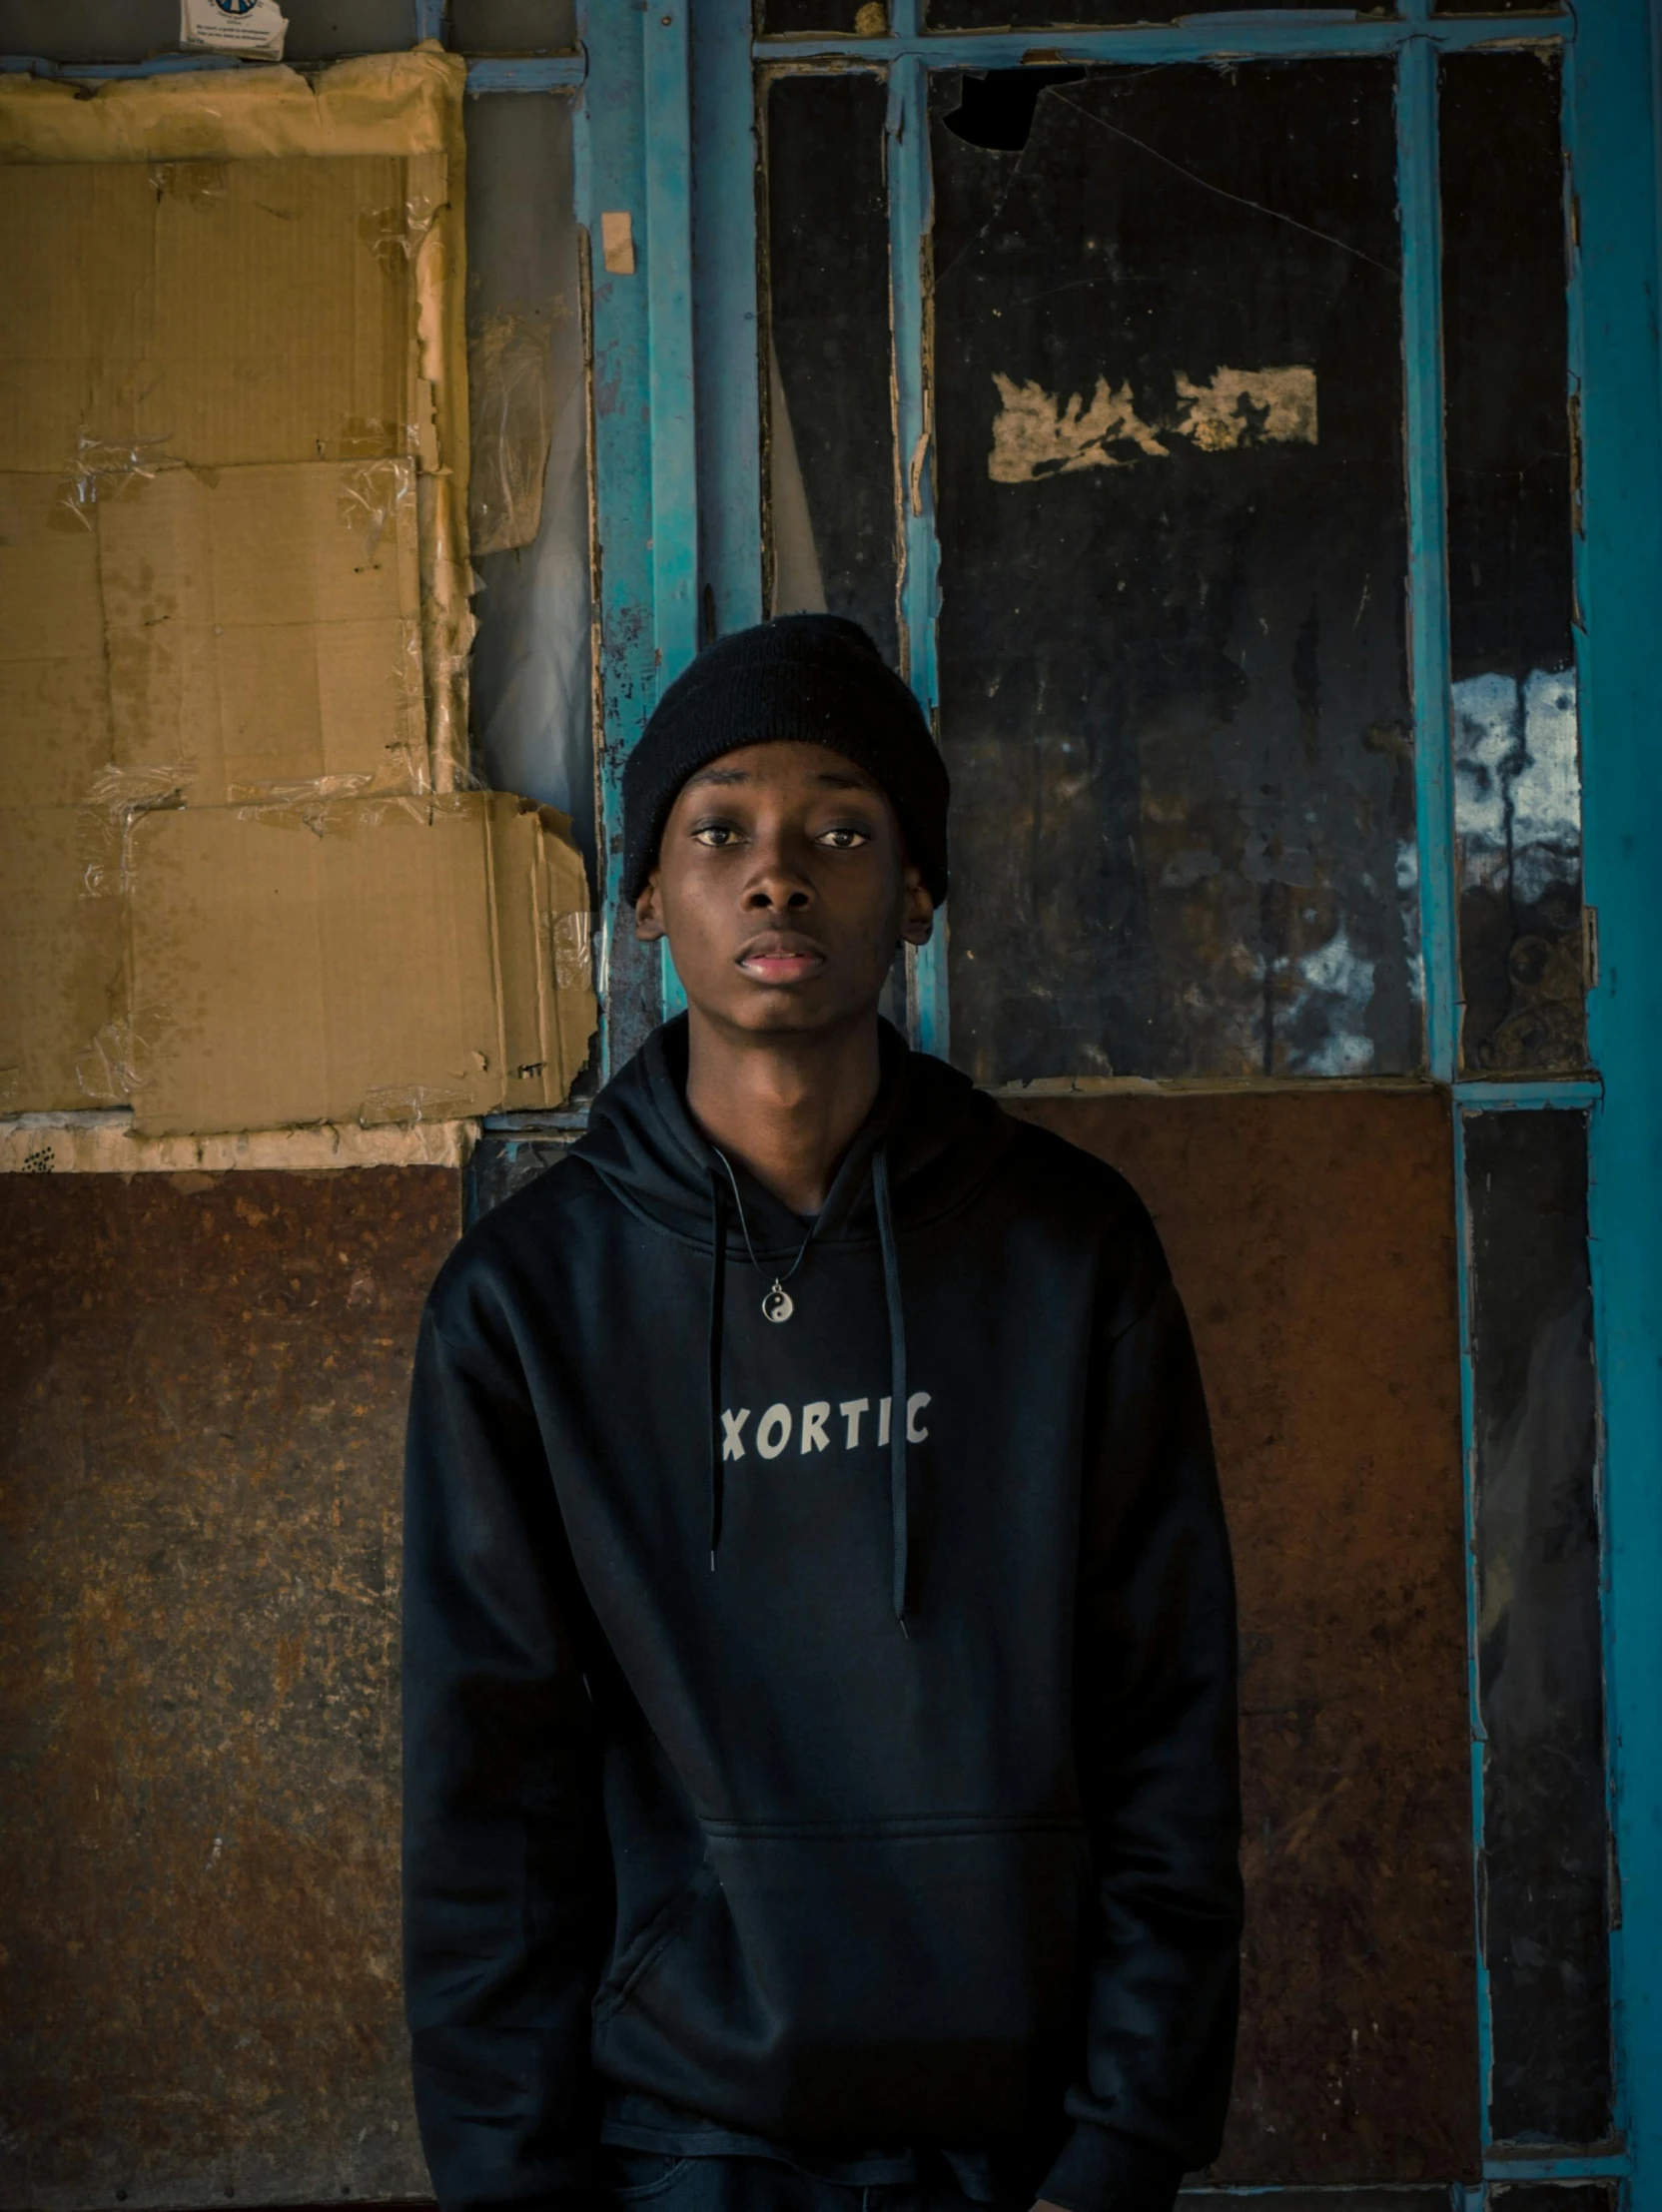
{"x": 783, "y": 887}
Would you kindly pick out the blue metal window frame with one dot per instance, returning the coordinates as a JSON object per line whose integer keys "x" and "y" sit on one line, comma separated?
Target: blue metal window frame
{"x": 1610, "y": 143}
{"x": 666, "y": 132}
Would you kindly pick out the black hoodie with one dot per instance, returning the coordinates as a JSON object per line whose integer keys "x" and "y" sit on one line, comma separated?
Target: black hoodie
{"x": 782, "y": 1770}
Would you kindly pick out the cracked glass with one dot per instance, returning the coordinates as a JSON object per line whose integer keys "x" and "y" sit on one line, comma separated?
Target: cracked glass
{"x": 1170, "y": 487}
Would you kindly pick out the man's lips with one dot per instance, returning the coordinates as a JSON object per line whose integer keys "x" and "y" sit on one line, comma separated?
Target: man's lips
{"x": 781, "y": 959}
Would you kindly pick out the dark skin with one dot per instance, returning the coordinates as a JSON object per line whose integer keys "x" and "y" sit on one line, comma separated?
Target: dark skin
{"x": 783, "y": 887}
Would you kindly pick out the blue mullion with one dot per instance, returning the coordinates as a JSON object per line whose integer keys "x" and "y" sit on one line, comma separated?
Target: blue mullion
{"x": 527, "y": 73}
{"x": 1611, "y": 144}
{"x": 1615, "y": 2166}
{"x": 1291, "y": 36}
{"x": 610, "y": 165}
{"x": 725, "y": 319}
{"x": 668, "y": 122}
{"x": 1524, "y": 1094}
{"x": 1430, "y": 677}
{"x": 1416, "y": 185}
{"x": 430, "y": 19}
{"x": 910, "y": 217}
{"x": 1474, "y": 1704}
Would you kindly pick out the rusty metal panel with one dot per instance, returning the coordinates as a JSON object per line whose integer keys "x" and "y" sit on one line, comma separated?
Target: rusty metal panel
{"x": 1540, "y": 1676}
{"x": 202, "y": 1414}
{"x": 1312, "y": 1239}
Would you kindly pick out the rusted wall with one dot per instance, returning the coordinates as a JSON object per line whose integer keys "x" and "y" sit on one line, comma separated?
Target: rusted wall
{"x": 202, "y": 1409}
{"x": 1311, "y": 1237}
{"x": 201, "y": 1414}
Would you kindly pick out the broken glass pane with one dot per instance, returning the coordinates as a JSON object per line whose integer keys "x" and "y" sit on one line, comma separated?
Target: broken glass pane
{"x": 831, "y": 472}
{"x": 1517, "y": 781}
{"x": 1174, "y": 693}
{"x": 1539, "y": 1654}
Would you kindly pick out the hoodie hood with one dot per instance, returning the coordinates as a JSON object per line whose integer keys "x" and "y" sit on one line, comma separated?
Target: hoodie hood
{"x": 928, "y": 1142}
{"x": 941, "y": 1135}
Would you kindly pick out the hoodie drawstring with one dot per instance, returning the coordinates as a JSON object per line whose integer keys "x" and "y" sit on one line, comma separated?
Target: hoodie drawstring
{"x": 899, "y": 1500}
{"x": 900, "y": 1511}
{"x": 718, "y": 1304}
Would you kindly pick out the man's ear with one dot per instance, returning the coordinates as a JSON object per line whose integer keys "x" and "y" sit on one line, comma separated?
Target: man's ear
{"x": 650, "y": 921}
{"x": 919, "y": 922}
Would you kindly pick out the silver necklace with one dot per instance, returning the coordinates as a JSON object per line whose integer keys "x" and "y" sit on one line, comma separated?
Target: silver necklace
{"x": 778, "y": 1305}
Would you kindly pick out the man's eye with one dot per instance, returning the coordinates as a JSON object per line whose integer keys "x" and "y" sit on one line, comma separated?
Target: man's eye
{"x": 716, "y": 834}
{"x": 845, "y": 838}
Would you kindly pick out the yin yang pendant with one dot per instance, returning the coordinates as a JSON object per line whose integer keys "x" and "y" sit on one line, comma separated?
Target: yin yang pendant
{"x": 778, "y": 1305}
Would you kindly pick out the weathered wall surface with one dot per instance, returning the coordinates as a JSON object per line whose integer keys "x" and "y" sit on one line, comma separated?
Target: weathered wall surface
{"x": 201, "y": 1419}
{"x": 1312, "y": 1238}
{"x": 199, "y": 1440}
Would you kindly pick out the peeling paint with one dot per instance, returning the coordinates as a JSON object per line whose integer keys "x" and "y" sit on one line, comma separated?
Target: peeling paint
{"x": 1037, "y": 435}
{"x": 1337, "y": 988}
{"x": 1517, "y": 827}
{"x": 1517, "y": 781}
{"x": 1250, "y": 407}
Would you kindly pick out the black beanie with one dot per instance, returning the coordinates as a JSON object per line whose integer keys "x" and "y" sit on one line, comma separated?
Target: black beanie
{"x": 807, "y": 679}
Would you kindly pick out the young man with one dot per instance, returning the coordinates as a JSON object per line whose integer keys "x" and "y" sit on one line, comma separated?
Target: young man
{"x": 819, "y": 1639}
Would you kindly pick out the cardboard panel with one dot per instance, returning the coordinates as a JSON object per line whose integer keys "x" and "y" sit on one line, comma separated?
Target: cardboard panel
{"x": 61, "y": 999}
{"x": 53, "y": 690}
{"x": 1312, "y": 1239}
{"x": 344, "y": 960}
{"x": 264, "y": 627}
{"x": 217, "y": 312}
{"x": 201, "y": 1412}
{"x": 382, "y": 104}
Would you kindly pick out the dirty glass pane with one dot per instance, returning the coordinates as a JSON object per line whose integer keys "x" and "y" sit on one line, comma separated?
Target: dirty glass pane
{"x": 322, "y": 30}
{"x": 1173, "y": 701}
{"x": 1517, "y": 794}
{"x": 529, "y": 489}
{"x": 831, "y": 467}
{"x": 95, "y": 31}
{"x": 783, "y": 18}
{"x": 513, "y": 26}
{"x": 1534, "y": 1442}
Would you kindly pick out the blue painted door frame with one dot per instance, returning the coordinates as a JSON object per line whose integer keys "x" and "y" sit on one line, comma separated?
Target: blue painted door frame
{"x": 670, "y": 135}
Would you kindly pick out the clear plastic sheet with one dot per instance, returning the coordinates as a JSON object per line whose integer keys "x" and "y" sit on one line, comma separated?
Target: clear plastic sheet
{"x": 533, "y": 683}
{"x": 511, "y": 398}
{"x": 103, "y": 468}
{"x": 115, "y": 800}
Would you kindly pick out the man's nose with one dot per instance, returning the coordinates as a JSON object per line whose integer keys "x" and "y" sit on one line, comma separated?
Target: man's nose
{"x": 780, "y": 885}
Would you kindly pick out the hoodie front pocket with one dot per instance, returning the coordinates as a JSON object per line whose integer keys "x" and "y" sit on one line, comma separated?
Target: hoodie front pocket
{"x": 912, "y": 1978}
{"x": 641, "y": 1955}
